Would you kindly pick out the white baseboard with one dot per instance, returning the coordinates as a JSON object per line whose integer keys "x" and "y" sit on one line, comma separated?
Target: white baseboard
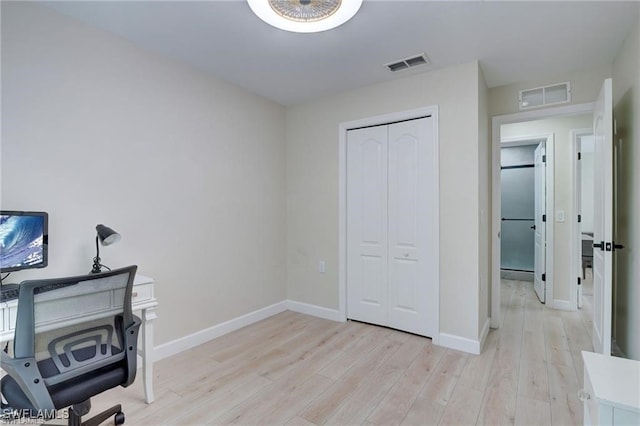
{"x": 458, "y": 343}
{"x": 203, "y": 336}
{"x": 192, "y": 340}
{"x": 314, "y": 310}
{"x": 563, "y": 305}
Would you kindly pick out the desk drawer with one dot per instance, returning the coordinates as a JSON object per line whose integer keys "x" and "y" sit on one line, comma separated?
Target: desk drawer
{"x": 13, "y": 315}
{"x": 142, "y": 292}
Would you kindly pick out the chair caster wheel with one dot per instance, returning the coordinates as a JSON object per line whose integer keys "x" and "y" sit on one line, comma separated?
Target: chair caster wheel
{"x": 118, "y": 419}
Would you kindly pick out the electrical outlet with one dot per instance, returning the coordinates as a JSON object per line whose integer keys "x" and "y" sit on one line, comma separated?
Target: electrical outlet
{"x": 322, "y": 266}
{"x": 560, "y": 216}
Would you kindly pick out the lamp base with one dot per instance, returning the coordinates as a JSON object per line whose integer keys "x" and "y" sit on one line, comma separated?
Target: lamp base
{"x": 97, "y": 267}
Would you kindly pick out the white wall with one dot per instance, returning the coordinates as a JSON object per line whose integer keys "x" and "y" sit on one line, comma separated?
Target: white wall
{"x": 189, "y": 169}
{"x": 626, "y": 111}
{"x": 312, "y": 187}
{"x": 562, "y": 195}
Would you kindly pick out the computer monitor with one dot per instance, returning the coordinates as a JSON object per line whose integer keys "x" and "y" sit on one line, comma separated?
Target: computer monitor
{"x": 24, "y": 240}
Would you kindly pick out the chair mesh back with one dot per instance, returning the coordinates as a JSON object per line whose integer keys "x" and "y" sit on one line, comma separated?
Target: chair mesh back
{"x": 80, "y": 332}
{"x": 88, "y": 342}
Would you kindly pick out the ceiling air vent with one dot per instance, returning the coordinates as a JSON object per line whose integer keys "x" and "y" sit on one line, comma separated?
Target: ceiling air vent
{"x": 413, "y": 61}
{"x": 542, "y": 96}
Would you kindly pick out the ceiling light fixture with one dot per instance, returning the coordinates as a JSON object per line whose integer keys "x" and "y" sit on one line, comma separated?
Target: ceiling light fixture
{"x": 305, "y": 16}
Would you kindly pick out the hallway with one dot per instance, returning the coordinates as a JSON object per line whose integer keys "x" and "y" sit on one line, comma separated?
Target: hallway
{"x": 537, "y": 370}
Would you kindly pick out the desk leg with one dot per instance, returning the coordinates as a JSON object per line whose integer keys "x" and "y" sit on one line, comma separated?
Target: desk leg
{"x": 148, "y": 316}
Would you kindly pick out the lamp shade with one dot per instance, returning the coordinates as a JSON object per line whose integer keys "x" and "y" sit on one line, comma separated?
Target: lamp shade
{"x": 107, "y": 235}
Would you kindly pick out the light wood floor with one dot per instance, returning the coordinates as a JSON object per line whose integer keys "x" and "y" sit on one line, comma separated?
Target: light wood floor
{"x": 299, "y": 370}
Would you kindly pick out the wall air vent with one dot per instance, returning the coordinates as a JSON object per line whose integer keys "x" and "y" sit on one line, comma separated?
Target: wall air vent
{"x": 543, "y": 96}
{"x": 412, "y": 61}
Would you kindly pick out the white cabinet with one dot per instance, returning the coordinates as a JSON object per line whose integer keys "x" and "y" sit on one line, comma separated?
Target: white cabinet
{"x": 611, "y": 393}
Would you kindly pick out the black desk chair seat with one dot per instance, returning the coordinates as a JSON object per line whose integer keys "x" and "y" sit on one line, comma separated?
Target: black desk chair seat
{"x": 587, "y": 255}
{"x": 79, "y": 362}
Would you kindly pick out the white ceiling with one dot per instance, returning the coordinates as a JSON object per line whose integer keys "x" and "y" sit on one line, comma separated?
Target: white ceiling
{"x": 514, "y": 41}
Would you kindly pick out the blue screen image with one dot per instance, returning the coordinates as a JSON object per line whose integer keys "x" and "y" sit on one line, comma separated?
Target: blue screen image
{"x": 21, "y": 241}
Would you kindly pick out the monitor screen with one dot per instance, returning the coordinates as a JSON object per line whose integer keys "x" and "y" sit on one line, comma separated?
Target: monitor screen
{"x": 23, "y": 240}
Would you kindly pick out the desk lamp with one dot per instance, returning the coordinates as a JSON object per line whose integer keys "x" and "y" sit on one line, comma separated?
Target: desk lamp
{"x": 106, "y": 236}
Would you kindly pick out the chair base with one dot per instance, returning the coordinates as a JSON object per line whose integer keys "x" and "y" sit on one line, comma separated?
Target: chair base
{"x": 77, "y": 411}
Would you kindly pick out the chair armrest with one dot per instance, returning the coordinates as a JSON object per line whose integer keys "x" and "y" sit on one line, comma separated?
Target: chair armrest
{"x": 131, "y": 347}
{"x": 26, "y": 374}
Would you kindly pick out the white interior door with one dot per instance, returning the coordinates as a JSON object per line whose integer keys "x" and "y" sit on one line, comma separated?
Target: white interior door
{"x": 367, "y": 157}
{"x": 603, "y": 219}
{"x": 539, "y": 284}
{"x": 392, "y": 234}
{"x": 411, "y": 214}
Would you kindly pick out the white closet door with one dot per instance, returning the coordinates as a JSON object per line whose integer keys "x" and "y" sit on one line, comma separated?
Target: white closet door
{"x": 367, "y": 224}
{"x": 412, "y": 237}
{"x": 392, "y": 233}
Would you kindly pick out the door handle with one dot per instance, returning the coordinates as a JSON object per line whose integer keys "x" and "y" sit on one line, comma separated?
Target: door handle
{"x": 609, "y": 246}
{"x": 533, "y": 227}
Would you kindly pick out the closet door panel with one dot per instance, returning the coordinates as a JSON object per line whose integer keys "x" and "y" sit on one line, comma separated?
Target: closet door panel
{"x": 367, "y": 243}
{"x": 411, "y": 211}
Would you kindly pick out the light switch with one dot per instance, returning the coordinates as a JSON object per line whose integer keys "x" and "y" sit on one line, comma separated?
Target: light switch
{"x": 560, "y": 216}
{"x": 322, "y": 266}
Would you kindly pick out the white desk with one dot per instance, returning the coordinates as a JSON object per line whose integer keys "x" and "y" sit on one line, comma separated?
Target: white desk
{"x": 142, "y": 301}
{"x": 611, "y": 393}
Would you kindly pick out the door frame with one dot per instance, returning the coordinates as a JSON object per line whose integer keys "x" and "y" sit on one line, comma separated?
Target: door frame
{"x": 549, "y": 139}
{"x": 342, "y": 200}
{"x": 496, "y": 122}
{"x": 576, "y": 227}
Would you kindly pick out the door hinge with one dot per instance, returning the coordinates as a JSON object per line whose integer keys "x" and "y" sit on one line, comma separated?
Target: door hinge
{"x": 579, "y": 281}
{"x": 579, "y": 156}
{"x": 544, "y": 217}
{"x": 544, "y": 277}
{"x": 579, "y": 218}
{"x": 544, "y": 158}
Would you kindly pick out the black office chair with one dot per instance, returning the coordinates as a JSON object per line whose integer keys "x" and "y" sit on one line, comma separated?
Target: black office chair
{"x": 53, "y": 368}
